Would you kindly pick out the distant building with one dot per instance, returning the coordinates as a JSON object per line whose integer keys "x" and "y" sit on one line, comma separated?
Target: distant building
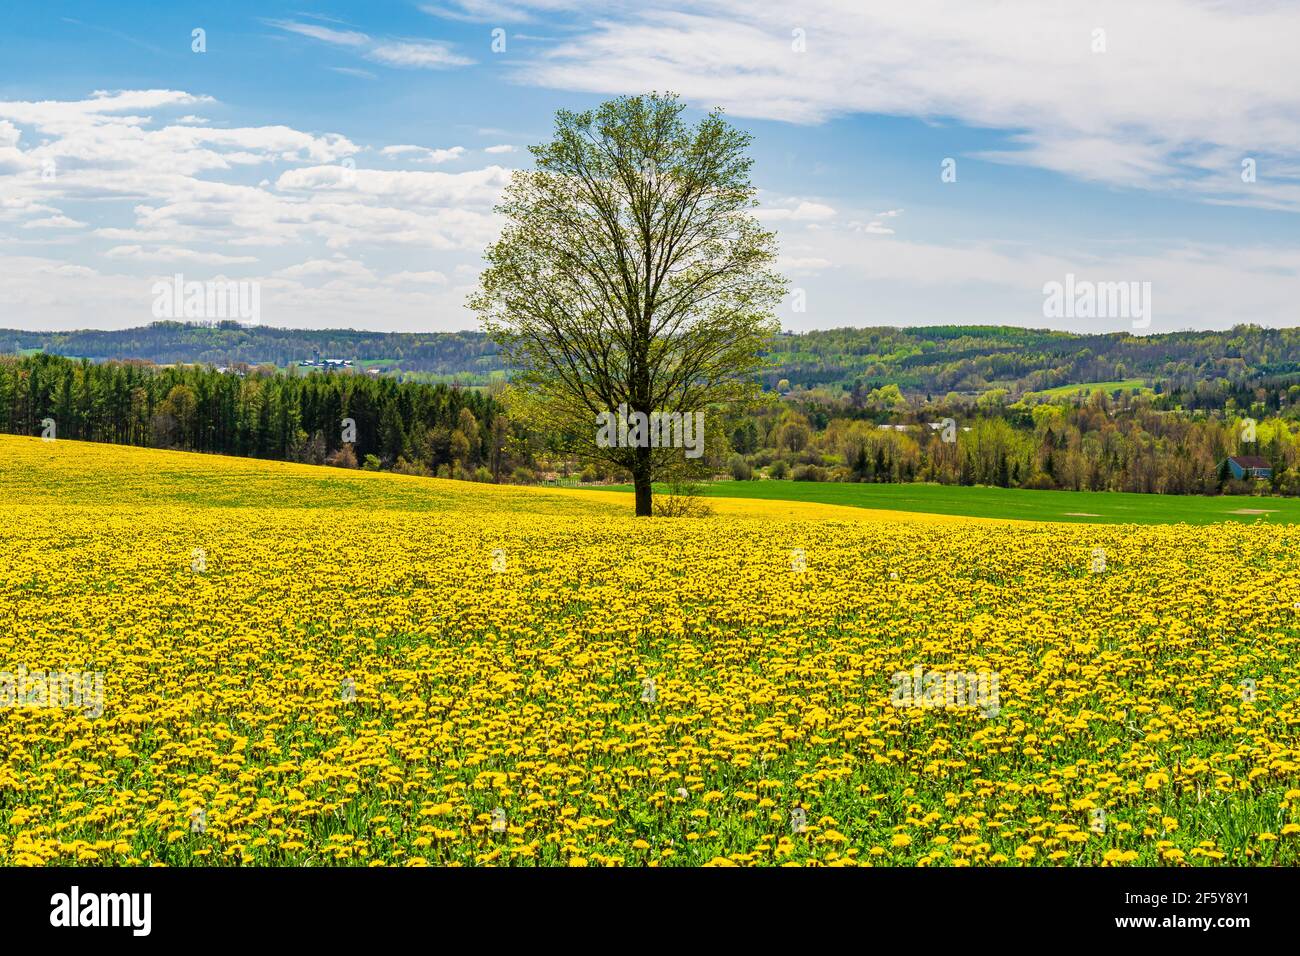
{"x": 1249, "y": 466}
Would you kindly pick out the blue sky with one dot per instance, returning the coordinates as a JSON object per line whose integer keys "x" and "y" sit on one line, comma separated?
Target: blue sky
{"x": 347, "y": 157}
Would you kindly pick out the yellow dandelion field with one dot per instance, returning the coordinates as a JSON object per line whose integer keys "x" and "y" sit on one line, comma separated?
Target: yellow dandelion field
{"x": 310, "y": 666}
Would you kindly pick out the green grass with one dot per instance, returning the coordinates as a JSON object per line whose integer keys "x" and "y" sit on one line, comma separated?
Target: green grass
{"x": 1095, "y": 507}
{"x": 1065, "y": 391}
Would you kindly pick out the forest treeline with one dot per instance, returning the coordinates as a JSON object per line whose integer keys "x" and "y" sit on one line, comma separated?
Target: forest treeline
{"x": 973, "y": 359}
{"x": 931, "y": 360}
{"x": 345, "y": 419}
{"x": 1158, "y": 439}
{"x": 230, "y": 343}
{"x": 1122, "y": 439}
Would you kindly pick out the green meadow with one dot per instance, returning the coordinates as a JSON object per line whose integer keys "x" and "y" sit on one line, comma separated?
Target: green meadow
{"x": 1096, "y": 507}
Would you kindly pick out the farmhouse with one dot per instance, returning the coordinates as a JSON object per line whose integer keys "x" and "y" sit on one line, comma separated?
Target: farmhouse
{"x": 1249, "y": 466}
{"x": 328, "y": 364}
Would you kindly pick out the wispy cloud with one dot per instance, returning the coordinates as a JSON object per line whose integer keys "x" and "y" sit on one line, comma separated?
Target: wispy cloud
{"x": 1169, "y": 95}
{"x": 324, "y": 34}
{"x": 492, "y": 11}
{"x": 423, "y": 154}
{"x": 420, "y": 54}
{"x": 395, "y": 52}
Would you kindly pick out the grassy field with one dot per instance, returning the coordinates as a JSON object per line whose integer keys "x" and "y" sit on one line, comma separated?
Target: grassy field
{"x": 1083, "y": 507}
{"x": 310, "y": 666}
{"x": 1086, "y": 388}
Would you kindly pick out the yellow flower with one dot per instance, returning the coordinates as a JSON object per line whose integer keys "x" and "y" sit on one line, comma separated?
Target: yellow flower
{"x": 339, "y": 686}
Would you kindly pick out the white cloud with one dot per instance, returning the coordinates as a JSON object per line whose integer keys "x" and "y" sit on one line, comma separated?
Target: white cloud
{"x": 418, "y": 54}
{"x": 326, "y": 267}
{"x": 802, "y": 211}
{"x": 495, "y": 11}
{"x": 1184, "y": 90}
{"x": 503, "y": 148}
{"x": 900, "y": 282}
{"x": 169, "y": 195}
{"x": 421, "y": 55}
{"x": 46, "y": 293}
{"x": 432, "y": 277}
{"x": 167, "y": 192}
{"x": 103, "y": 109}
{"x": 53, "y": 222}
{"x": 476, "y": 186}
{"x": 796, "y": 264}
{"x": 325, "y": 34}
{"x": 175, "y": 254}
{"x": 423, "y": 154}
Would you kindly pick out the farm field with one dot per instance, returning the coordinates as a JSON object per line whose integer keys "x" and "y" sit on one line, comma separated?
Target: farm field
{"x": 1086, "y": 388}
{"x": 310, "y": 666}
{"x": 1071, "y": 507}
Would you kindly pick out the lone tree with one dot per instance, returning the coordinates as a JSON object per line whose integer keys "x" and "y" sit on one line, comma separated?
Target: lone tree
{"x": 630, "y": 278}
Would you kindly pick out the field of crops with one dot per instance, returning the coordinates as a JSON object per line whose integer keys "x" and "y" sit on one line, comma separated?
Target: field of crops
{"x": 310, "y": 666}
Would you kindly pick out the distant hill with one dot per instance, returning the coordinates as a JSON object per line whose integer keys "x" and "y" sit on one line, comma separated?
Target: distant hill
{"x": 930, "y": 360}
{"x": 467, "y": 354}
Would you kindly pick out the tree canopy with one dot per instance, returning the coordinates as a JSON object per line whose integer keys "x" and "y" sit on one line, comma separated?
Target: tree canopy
{"x": 631, "y": 277}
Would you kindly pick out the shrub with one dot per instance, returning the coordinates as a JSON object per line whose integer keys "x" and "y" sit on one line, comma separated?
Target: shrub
{"x": 683, "y": 500}
{"x": 345, "y": 457}
{"x": 809, "y": 473}
{"x": 740, "y": 469}
{"x": 1039, "y": 482}
{"x": 404, "y": 467}
{"x": 778, "y": 469}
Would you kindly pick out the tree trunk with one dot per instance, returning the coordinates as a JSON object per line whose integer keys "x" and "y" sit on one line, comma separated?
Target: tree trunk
{"x": 641, "y": 482}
